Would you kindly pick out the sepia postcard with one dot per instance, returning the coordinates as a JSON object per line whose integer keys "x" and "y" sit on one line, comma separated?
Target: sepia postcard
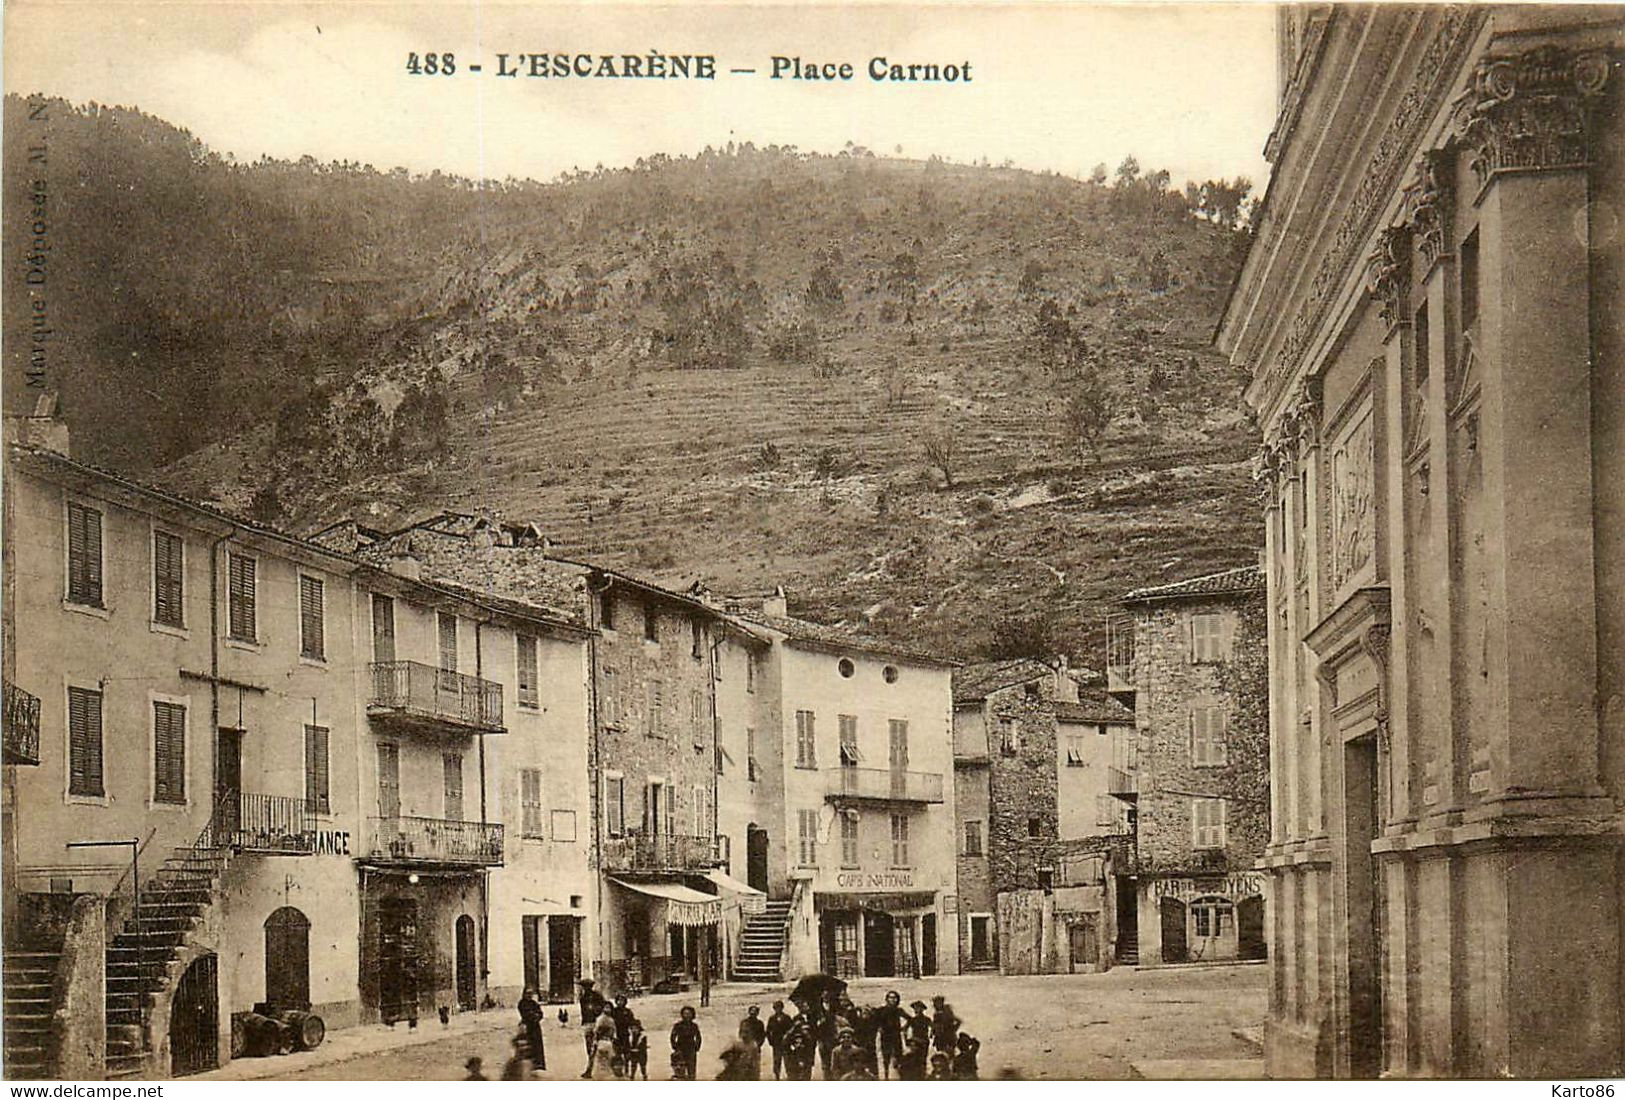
{"x": 812, "y": 541}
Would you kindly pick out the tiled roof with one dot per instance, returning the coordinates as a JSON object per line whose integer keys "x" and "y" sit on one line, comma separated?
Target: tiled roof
{"x": 1094, "y": 709}
{"x": 1249, "y": 578}
{"x": 821, "y": 635}
{"x": 973, "y": 683}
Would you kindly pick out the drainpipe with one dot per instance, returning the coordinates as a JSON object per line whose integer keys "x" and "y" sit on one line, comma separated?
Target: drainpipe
{"x": 485, "y": 877}
{"x": 595, "y": 854}
{"x": 214, "y": 650}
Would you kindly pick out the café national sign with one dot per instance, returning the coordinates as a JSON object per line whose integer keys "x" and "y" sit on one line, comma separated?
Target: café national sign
{"x": 875, "y": 880}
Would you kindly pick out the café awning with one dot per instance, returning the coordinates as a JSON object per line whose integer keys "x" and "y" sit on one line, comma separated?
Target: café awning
{"x": 684, "y": 906}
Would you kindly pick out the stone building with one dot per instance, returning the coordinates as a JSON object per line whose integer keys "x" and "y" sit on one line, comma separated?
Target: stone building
{"x": 1430, "y": 310}
{"x": 1199, "y": 675}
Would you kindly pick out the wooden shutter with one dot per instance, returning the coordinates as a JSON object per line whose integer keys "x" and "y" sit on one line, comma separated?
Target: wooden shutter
{"x": 240, "y": 611}
{"x": 615, "y": 805}
{"x": 527, "y": 670}
{"x": 530, "y": 798}
{"x": 312, "y": 637}
{"x": 812, "y": 740}
{"x": 168, "y": 584}
{"x": 453, "y": 766}
{"x": 317, "y": 792}
{"x": 899, "y": 743}
{"x": 84, "y": 555}
{"x": 1217, "y": 729}
{"x": 85, "y": 743}
{"x": 169, "y": 753}
{"x": 389, "y": 780}
{"x": 383, "y": 628}
{"x": 447, "y": 625}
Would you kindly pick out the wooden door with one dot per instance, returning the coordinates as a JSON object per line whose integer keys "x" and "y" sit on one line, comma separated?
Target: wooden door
{"x": 563, "y": 956}
{"x": 194, "y": 1044}
{"x": 389, "y": 780}
{"x": 879, "y": 946}
{"x": 228, "y": 779}
{"x": 383, "y": 629}
{"x": 467, "y": 984}
{"x": 928, "y": 944}
{"x": 287, "y": 959}
{"x": 756, "y": 858}
{"x": 1174, "y": 949}
{"x": 398, "y": 959}
{"x": 530, "y": 929}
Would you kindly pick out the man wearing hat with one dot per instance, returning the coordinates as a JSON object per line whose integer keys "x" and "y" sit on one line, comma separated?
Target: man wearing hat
{"x": 592, "y": 1006}
{"x": 918, "y": 1026}
{"x": 944, "y": 1026}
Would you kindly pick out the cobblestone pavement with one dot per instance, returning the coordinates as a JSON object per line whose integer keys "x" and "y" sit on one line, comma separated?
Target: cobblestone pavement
{"x": 1093, "y": 1026}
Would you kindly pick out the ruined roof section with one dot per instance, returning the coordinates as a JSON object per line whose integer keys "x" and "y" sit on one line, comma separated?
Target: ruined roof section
{"x": 839, "y": 638}
{"x": 1249, "y": 578}
{"x": 522, "y": 573}
{"x": 1095, "y": 708}
{"x": 973, "y": 683}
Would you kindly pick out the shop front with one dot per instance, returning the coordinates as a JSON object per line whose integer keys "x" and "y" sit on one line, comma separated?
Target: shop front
{"x": 658, "y": 931}
{"x": 1202, "y": 918}
{"x": 882, "y": 934}
{"x": 422, "y": 941}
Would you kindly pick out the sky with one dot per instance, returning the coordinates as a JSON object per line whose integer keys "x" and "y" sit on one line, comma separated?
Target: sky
{"x": 1054, "y": 86}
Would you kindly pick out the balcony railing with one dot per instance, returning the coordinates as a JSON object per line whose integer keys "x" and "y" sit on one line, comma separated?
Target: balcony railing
{"x": 882, "y": 785}
{"x": 432, "y": 840}
{"x": 22, "y": 726}
{"x": 1122, "y": 784}
{"x": 661, "y": 853}
{"x": 425, "y": 694}
{"x": 273, "y": 824}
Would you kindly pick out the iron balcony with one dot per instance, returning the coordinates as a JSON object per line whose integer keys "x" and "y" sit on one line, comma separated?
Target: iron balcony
{"x": 433, "y": 699}
{"x": 664, "y": 852}
{"x": 429, "y": 840}
{"x": 269, "y": 824}
{"x": 850, "y": 784}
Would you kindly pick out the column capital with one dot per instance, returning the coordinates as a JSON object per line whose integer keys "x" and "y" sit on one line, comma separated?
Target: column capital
{"x": 1388, "y": 274}
{"x": 1426, "y": 204}
{"x": 1531, "y": 111}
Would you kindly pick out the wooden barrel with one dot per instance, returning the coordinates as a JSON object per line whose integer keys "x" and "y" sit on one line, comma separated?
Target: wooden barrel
{"x": 306, "y": 1029}
{"x": 239, "y": 1035}
{"x": 261, "y": 1035}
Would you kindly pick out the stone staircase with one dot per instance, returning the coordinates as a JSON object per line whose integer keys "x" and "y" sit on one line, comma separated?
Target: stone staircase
{"x": 143, "y": 958}
{"x": 761, "y": 944}
{"x": 30, "y": 973}
{"x": 1128, "y": 947}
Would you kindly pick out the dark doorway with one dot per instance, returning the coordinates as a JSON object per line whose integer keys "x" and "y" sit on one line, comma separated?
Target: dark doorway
{"x": 228, "y": 780}
{"x": 467, "y": 987}
{"x": 756, "y": 858}
{"x": 1174, "y": 949}
{"x": 194, "y": 1044}
{"x": 879, "y": 945}
{"x": 981, "y": 946}
{"x": 530, "y": 935}
{"x": 1250, "y": 942}
{"x": 928, "y": 944}
{"x": 1128, "y": 921}
{"x": 563, "y": 956}
{"x": 287, "y": 959}
{"x": 398, "y": 959}
{"x": 1085, "y": 943}
{"x": 1362, "y": 822}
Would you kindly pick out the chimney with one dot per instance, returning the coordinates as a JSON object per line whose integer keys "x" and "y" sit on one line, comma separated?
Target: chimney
{"x": 404, "y": 562}
{"x": 42, "y": 427}
{"x": 777, "y": 604}
{"x": 1066, "y": 688}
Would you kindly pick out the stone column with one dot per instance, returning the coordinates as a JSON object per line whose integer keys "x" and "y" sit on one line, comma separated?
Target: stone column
{"x": 1278, "y": 588}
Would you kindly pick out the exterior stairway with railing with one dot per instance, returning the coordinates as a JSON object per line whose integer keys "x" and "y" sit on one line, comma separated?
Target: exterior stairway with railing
{"x": 30, "y": 973}
{"x": 761, "y": 943}
{"x": 144, "y": 957}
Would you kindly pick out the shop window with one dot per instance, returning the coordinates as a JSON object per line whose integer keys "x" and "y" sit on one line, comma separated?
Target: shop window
{"x": 1212, "y": 917}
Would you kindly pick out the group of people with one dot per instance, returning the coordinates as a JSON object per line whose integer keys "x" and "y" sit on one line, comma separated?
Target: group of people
{"x": 848, "y": 1042}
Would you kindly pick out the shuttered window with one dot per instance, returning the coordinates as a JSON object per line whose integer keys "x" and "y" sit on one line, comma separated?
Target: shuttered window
{"x": 1208, "y": 820}
{"x": 530, "y": 800}
{"x": 448, "y": 641}
{"x": 614, "y": 805}
{"x": 240, "y": 611}
{"x": 807, "y": 838}
{"x": 847, "y": 731}
{"x": 84, "y": 555}
{"x": 453, "y": 766}
{"x": 1207, "y": 737}
{"x": 806, "y": 740}
{"x": 316, "y": 779}
{"x": 849, "y": 839}
{"x": 168, "y": 579}
{"x": 1208, "y": 638}
{"x": 312, "y": 619}
{"x": 529, "y": 696}
{"x": 610, "y": 704}
{"x": 389, "y": 779}
{"x": 169, "y": 753}
{"x": 654, "y": 722}
{"x": 898, "y": 728}
{"x": 973, "y": 838}
{"x": 899, "y": 840}
{"x": 85, "y": 742}
{"x": 383, "y": 628}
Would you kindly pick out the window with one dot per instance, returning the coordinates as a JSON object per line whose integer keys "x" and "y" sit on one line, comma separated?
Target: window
{"x": 750, "y": 753}
{"x": 654, "y": 699}
{"x": 898, "y": 729}
{"x": 806, "y": 740}
{"x": 807, "y": 838}
{"x": 564, "y": 826}
{"x": 1105, "y": 811}
{"x": 168, "y": 579}
{"x": 241, "y": 581}
{"x": 530, "y": 801}
{"x": 452, "y": 765}
{"x": 1468, "y": 256}
{"x": 849, "y": 740}
{"x": 849, "y": 839}
{"x": 529, "y": 696}
{"x": 1207, "y": 638}
{"x": 1009, "y": 739}
{"x": 1207, "y": 737}
{"x": 1074, "y": 750}
{"x": 610, "y": 704}
{"x": 750, "y": 673}
{"x": 169, "y": 753}
{"x": 973, "y": 838}
{"x": 651, "y": 623}
{"x": 447, "y": 625}
{"x": 721, "y": 755}
{"x": 84, "y": 555}
{"x": 846, "y": 935}
{"x": 700, "y": 826}
{"x": 389, "y": 779}
{"x": 1207, "y": 823}
{"x": 889, "y": 674}
{"x": 846, "y": 668}
{"x": 1211, "y": 916}
{"x": 316, "y": 778}
{"x": 614, "y": 805}
{"x": 697, "y": 630}
{"x": 696, "y": 706}
{"x": 1035, "y": 827}
{"x": 899, "y": 840}
{"x": 606, "y": 611}
{"x": 1046, "y": 879}
{"x": 312, "y": 626}
{"x": 383, "y": 628}
{"x": 1419, "y": 333}
{"x": 85, "y": 743}
{"x": 1030, "y": 690}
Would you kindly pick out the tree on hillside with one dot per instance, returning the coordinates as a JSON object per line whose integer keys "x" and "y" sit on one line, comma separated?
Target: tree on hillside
{"x": 1220, "y": 201}
{"x": 1088, "y": 411}
{"x": 1019, "y": 634}
{"x": 941, "y": 445}
{"x": 896, "y": 383}
{"x": 824, "y": 290}
{"x": 1098, "y": 175}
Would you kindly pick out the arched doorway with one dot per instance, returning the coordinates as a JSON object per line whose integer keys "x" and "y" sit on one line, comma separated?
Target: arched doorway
{"x": 194, "y": 1014}
{"x": 1250, "y": 928}
{"x": 287, "y": 959}
{"x": 467, "y": 987}
{"x": 1173, "y": 930}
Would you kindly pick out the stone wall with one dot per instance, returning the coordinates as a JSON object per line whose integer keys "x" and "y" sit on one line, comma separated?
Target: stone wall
{"x": 1022, "y": 787}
